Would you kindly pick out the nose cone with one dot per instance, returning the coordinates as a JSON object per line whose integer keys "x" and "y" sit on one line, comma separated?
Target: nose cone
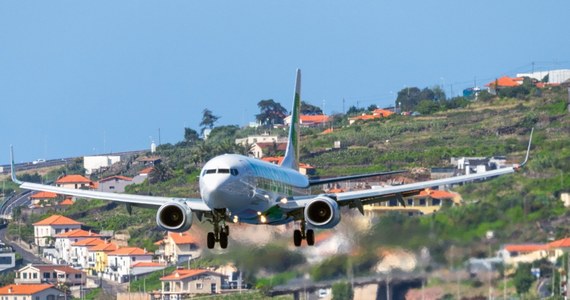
{"x": 212, "y": 188}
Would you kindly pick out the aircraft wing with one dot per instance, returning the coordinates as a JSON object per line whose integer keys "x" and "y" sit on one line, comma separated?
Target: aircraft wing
{"x": 140, "y": 200}
{"x": 351, "y": 177}
{"x": 370, "y": 196}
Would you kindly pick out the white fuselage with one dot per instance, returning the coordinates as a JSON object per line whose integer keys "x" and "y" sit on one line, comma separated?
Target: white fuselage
{"x": 249, "y": 189}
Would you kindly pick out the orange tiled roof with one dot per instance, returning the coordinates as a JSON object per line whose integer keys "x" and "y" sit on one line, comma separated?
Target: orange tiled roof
{"x": 61, "y": 268}
{"x": 181, "y": 274}
{"x": 526, "y": 247}
{"x": 437, "y": 194}
{"x": 23, "y": 289}
{"x": 57, "y": 220}
{"x": 382, "y": 112}
{"x": 314, "y": 118}
{"x": 66, "y": 202}
{"x": 146, "y": 171}
{"x": 143, "y": 264}
{"x": 563, "y": 243}
{"x": 105, "y": 247}
{"x": 73, "y": 179}
{"x": 327, "y": 131}
{"x": 336, "y": 191}
{"x": 77, "y": 233}
{"x": 116, "y": 177}
{"x": 505, "y": 81}
{"x": 89, "y": 242}
{"x": 365, "y": 117}
{"x": 44, "y": 195}
{"x": 182, "y": 238}
{"x": 129, "y": 251}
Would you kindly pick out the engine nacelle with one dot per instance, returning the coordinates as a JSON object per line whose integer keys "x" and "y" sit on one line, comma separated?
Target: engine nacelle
{"x": 174, "y": 216}
{"x": 322, "y": 212}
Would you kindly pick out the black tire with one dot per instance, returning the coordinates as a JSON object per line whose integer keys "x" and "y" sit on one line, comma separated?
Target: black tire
{"x": 310, "y": 237}
{"x": 227, "y": 230}
{"x": 297, "y": 237}
{"x": 223, "y": 240}
{"x": 211, "y": 240}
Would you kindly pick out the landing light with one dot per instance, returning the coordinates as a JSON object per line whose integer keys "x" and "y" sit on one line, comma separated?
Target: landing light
{"x": 259, "y": 213}
{"x": 263, "y": 219}
{"x": 284, "y": 201}
{"x": 236, "y": 219}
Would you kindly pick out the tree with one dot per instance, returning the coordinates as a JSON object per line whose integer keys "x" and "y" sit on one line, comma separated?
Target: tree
{"x": 372, "y": 107}
{"x": 523, "y": 278}
{"x": 208, "y": 120}
{"x": 408, "y": 98}
{"x": 309, "y": 109}
{"x": 190, "y": 135}
{"x": 353, "y": 110}
{"x": 426, "y": 107}
{"x": 160, "y": 173}
{"x": 271, "y": 112}
{"x": 342, "y": 291}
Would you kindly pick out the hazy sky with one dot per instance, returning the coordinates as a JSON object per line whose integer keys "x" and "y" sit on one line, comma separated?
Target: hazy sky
{"x": 83, "y": 77}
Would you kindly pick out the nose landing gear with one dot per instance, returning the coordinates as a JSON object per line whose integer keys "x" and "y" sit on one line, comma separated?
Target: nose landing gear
{"x": 221, "y": 231}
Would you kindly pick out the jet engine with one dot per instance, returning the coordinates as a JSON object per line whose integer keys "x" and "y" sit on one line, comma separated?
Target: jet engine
{"x": 322, "y": 212}
{"x": 174, "y": 216}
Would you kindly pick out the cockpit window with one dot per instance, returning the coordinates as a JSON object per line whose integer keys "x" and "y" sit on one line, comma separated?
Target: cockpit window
{"x": 224, "y": 171}
{"x": 211, "y": 171}
{"x": 234, "y": 172}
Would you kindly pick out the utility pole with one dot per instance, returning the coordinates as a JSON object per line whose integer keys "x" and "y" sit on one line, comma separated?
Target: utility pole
{"x": 344, "y": 111}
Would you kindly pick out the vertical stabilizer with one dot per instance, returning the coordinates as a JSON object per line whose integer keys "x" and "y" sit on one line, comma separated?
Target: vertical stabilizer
{"x": 292, "y": 153}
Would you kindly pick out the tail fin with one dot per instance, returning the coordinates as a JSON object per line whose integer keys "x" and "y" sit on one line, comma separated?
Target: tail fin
{"x": 292, "y": 153}
{"x": 12, "y": 167}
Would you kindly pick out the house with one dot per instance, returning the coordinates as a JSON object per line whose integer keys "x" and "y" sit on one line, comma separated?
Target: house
{"x": 304, "y": 169}
{"x": 494, "y": 86}
{"x": 46, "y": 229}
{"x": 42, "y": 199}
{"x": 95, "y": 163}
{"x": 7, "y": 257}
{"x": 178, "y": 247}
{"x": 426, "y": 202}
{"x": 309, "y": 120}
{"x": 98, "y": 255}
{"x": 66, "y": 202}
{"x": 74, "y": 182}
{"x": 30, "y": 292}
{"x": 513, "y": 254}
{"x": 185, "y": 283}
{"x": 263, "y": 138}
{"x": 114, "y": 184}
{"x": 376, "y": 115}
{"x": 145, "y": 267}
{"x": 143, "y": 175}
{"x": 80, "y": 250}
{"x": 63, "y": 242}
{"x": 53, "y": 274}
{"x": 554, "y": 76}
{"x": 120, "y": 262}
{"x": 259, "y": 150}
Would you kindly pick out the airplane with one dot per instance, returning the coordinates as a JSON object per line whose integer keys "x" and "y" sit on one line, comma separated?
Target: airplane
{"x": 236, "y": 188}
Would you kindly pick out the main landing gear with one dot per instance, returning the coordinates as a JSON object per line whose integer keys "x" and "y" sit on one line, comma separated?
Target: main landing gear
{"x": 303, "y": 234}
{"x": 221, "y": 231}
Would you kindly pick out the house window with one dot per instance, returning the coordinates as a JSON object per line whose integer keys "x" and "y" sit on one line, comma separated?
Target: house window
{"x": 422, "y": 201}
{"x": 134, "y": 258}
{"x": 35, "y": 275}
{"x": 46, "y": 275}
{"x": 410, "y": 202}
{"x": 24, "y": 275}
{"x": 436, "y": 202}
{"x": 111, "y": 187}
{"x": 393, "y": 202}
{"x": 199, "y": 286}
{"x": 77, "y": 276}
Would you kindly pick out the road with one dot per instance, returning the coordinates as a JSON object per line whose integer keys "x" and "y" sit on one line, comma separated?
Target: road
{"x": 21, "y": 199}
{"x": 26, "y": 254}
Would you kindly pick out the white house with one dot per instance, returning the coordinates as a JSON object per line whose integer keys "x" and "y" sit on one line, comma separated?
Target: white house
{"x": 554, "y": 76}
{"x": 264, "y": 138}
{"x": 94, "y": 163}
{"x": 178, "y": 247}
{"x": 80, "y": 250}
{"x": 114, "y": 184}
{"x": 46, "y": 229}
{"x": 120, "y": 262}
{"x": 63, "y": 242}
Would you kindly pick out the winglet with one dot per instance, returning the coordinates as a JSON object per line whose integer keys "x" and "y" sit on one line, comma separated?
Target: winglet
{"x": 527, "y": 150}
{"x": 292, "y": 153}
{"x": 12, "y": 168}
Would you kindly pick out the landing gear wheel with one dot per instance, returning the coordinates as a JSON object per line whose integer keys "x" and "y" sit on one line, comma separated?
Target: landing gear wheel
{"x": 227, "y": 230}
{"x": 310, "y": 237}
{"x": 211, "y": 240}
{"x": 223, "y": 240}
{"x": 297, "y": 237}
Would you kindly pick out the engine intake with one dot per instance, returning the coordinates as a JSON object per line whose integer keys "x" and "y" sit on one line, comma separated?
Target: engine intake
{"x": 322, "y": 212}
{"x": 174, "y": 216}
